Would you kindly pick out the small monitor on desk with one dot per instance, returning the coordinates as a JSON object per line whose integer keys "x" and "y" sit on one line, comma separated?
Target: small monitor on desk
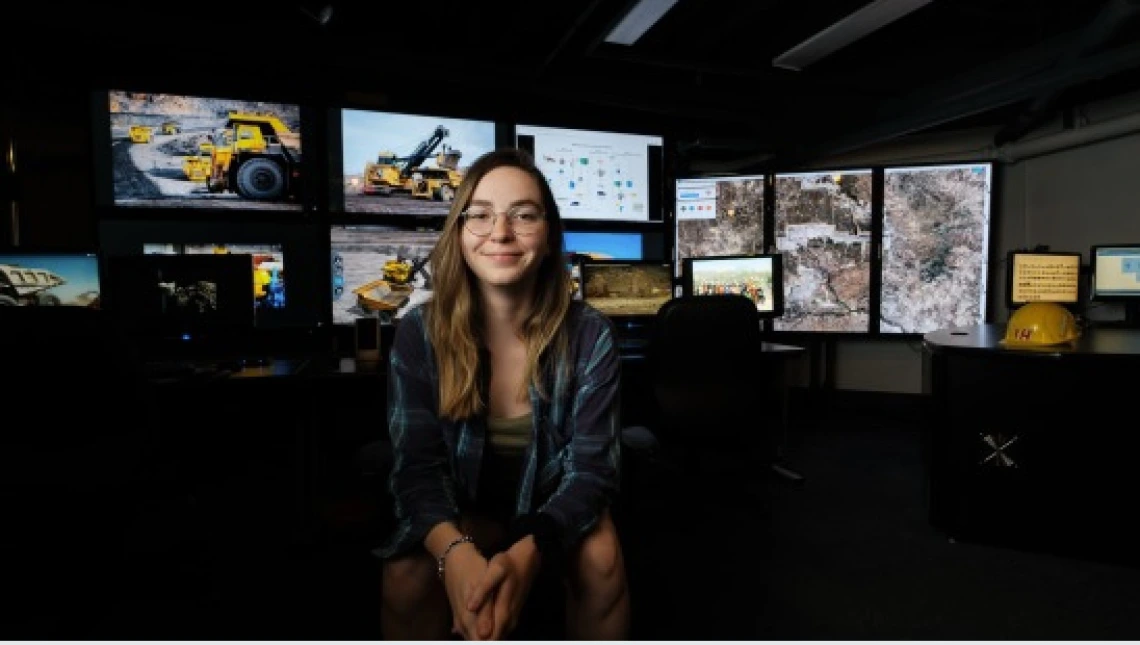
{"x": 628, "y": 292}
{"x": 191, "y": 305}
{"x": 1116, "y": 277}
{"x": 758, "y": 276}
{"x": 1043, "y": 276}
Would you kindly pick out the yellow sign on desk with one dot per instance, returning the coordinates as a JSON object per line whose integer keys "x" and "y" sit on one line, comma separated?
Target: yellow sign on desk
{"x": 1045, "y": 277}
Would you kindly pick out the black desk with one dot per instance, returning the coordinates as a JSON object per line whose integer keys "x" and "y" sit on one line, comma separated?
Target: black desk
{"x": 312, "y": 416}
{"x": 1035, "y": 448}
{"x": 237, "y": 436}
{"x": 783, "y": 353}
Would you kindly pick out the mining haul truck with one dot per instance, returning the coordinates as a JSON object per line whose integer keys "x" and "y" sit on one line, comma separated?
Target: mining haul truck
{"x": 256, "y": 156}
{"x": 23, "y": 286}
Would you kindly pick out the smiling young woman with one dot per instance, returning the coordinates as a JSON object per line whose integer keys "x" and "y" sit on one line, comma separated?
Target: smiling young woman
{"x": 503, "y": 404}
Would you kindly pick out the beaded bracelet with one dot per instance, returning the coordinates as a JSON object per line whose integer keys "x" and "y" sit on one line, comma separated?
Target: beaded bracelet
{"x": 463, "y": 539}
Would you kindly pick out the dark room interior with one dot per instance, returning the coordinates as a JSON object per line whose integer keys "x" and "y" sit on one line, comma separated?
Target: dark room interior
{"x": 186, "y": 460}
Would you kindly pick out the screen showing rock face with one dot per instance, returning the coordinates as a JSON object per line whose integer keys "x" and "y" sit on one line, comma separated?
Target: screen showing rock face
{"x": 936, "y": 222}
{"x": 823, "y": 228}
{"x": 720, "y": 216}
{"x": 627, "y": 289}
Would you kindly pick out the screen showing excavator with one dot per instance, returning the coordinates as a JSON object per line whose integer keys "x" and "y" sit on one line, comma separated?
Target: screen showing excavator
{"x": 405, "y": 164}
{"x": 378, "y": 270}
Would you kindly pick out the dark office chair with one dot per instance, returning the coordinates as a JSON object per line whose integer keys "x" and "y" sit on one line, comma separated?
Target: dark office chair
{"x": 711, "y": 393}
{"x": 699, "y": 471}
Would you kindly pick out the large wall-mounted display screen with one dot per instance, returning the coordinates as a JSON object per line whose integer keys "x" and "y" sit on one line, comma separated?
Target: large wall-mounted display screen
{"x": 29, "y": 278}
{"x": 267, "y": 268}
{"x": 936, "y": 227}
{"x": 175, "y": 151}
{"x": 595, "y": 175}
{"x": 405, "y": 164}
{"x": 718, "y": 216}
{"x": 379, "y": 271}
{"x": 285, "y": 280}
{"x": 823, "y": 229}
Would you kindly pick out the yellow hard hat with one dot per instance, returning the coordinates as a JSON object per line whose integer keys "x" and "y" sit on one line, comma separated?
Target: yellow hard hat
{"x": 1041, "y": 324}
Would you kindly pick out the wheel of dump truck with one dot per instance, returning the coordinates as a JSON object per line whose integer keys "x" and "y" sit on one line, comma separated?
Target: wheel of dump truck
{"x": 260, "y": 179}
{"x": 446, "y": 193}
{"x": 47, "y": 299}
{"x": 7, "y": 301}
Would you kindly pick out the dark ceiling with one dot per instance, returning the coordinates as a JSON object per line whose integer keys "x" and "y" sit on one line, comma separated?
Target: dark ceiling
{"x": 703, "y": 75}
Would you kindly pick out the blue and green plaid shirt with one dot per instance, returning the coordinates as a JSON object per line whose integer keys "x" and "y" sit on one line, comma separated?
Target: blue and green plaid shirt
{"x": 571, "y": 467}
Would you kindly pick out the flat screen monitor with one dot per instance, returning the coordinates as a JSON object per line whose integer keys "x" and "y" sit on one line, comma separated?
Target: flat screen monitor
{"x": 192, "y": 152}
{"x": 627, "y": 291}
{"x": 174, "y": 304}
{"x": 289, "y": 286}
{"x": 719, "y": 216}
{"x": 1115, "y": 272}
{"x": 38, "y": 278}
{"x": 597, "y": 175}
{"x": 379, "y": 271}
{"x": 605, "y": 245}
{"x": 404, "y": 164}
{"x": 1043, "y": 276}
{"x": 267, "y": 269}
{"x": 823, "y": 229}
{"x": 760, "y": 277}
{"x": 1116, "y": 278}
{"x": 935, "y": 248}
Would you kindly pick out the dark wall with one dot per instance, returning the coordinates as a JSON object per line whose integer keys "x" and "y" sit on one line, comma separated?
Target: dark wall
{"x": 46, "y": 122}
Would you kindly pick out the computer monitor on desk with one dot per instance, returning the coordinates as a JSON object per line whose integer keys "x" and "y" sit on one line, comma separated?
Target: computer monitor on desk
{"x": 1116, "y": 278}
{"x": 182, "y": 306}
{"x": 629, "y": 292}
{"x": 760, "y": 277}
{"x": 1043, "y": 276}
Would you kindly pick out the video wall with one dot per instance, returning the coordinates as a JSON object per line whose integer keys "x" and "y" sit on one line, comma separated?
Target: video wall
{"x": 865, "y": 251}
{"x": 862, "y": 251}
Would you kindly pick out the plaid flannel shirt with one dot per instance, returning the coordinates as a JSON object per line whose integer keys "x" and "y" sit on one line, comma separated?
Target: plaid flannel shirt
{"x": 571, "y": 467}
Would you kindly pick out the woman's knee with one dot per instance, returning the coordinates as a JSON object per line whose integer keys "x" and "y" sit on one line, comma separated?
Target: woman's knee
{"x": 408, "y": 582}
{"x": 598, "y": 560}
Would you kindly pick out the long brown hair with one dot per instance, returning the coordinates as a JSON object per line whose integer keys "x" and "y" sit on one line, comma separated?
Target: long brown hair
{"x": 455, "y": 314}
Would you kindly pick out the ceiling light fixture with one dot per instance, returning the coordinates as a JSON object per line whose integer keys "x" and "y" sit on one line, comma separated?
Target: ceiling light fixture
{"x": 873, "y": 16}
{"x": 321, "y": 17}
{"x": 640, "y": 18}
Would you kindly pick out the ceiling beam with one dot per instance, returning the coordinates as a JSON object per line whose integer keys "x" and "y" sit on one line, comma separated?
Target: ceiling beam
{"x": 926, "y": 109}
{"x": 1097, "y": 32}
{"x": 868, "y": 19}
{"x": 570, "y": 33}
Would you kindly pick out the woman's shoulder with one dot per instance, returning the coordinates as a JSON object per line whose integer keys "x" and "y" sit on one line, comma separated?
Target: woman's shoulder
{"x": 588, "y": 320}
{"x": 414, "y": 314}
{"x": 411, "y": 327}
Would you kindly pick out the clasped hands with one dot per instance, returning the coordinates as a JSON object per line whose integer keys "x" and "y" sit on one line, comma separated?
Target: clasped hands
{"x": 487, "y": 596}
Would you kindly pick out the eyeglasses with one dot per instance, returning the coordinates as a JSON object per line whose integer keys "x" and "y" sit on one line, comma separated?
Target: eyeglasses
{"x": 523, "y": 220}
